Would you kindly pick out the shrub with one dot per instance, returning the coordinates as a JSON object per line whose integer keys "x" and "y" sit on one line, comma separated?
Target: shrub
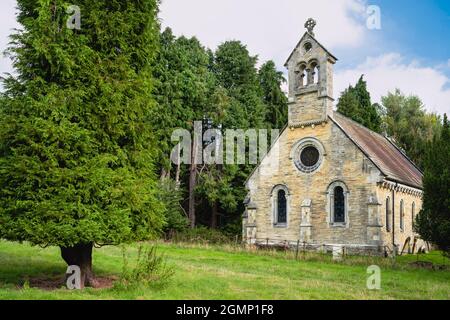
{"x": 171, "y": 197}
{"x": 202, "y": 235}
{"x": 150, "y": 268}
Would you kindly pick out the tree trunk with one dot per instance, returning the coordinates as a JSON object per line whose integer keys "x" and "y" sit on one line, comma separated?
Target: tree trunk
{"x": 215, "y": 207}
{"x": 215, "y": 214}
{"x": 163, "y": 174}
{"x": 192, "y": 184}
{"x": 81, "y": 256}
{"x": 177, "y": 172}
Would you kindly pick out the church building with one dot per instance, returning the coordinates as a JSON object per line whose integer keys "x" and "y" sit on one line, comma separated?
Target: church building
{"x": 328, "y": 181}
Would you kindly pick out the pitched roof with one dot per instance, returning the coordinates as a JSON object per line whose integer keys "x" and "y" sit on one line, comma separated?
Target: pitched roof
{"x": 307, "y": 34}
{"x": 389, "y": 159}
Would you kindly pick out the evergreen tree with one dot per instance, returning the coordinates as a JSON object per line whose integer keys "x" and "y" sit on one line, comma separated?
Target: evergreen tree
{"x": 274, "y": 98}
{"x": 406, "y": 120}
{"x": 236, "y": 71}
{"x": 238, "y": 103}
{"x": 183, "y": 92}
{"x": 75, "y": 145}
{"x": 355, "y": 103}
{"x": 433, "y": 222}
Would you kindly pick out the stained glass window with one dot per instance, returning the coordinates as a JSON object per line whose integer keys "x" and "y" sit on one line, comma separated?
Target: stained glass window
{"x": 281, "y": 207}
{"x": 339, "y": 205}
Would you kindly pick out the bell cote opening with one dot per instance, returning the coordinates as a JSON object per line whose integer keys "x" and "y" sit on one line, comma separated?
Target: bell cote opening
{"x": 310, "y": 73}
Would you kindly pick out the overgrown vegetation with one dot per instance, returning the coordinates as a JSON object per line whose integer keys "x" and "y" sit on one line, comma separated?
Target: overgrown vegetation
{"x": 204, "y": 235}
{"x": 149, "y": 268}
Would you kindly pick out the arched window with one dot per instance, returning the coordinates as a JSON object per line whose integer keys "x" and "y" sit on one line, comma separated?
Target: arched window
{"x": 388, "y": 214}
{"x": 313, "y": 72}
{"x": 301, "y": 75}
{"x": 402, "y": 215}
{"x": 280, "y": 205}
{"x": 339, "y": 205}
{"x": 303, "y": 78}
{"x": 316, "y": 74}
{"x": 337, "y": 199}
{"x": 413, "y": 214}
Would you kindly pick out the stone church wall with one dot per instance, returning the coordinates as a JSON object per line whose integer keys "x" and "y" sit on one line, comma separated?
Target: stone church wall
{"x": 408, "y": 197}
{"x": 342, "y": 161}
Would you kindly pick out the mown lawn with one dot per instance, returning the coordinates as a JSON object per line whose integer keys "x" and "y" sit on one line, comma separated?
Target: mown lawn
{"x": 224, "y": 273}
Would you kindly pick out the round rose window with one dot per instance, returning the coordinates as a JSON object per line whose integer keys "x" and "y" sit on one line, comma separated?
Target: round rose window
{"x": 308, "y": 158}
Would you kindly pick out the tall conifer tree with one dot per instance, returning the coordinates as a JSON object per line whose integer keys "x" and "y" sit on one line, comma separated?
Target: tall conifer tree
{"x": 75, "y": 145}
{"x": 433, "y": 222}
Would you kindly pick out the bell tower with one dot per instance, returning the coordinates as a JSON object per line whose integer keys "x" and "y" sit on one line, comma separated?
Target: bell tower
{"x": 310, "y": 74}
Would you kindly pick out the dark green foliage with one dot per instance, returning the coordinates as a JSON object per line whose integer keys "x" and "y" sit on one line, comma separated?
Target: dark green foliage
{"x": 238, "y": 103}
{"x": 275, "y": 99}
{"x": 183, "y": 89}
{"x": 406, "y": 120}
{"x": 236, "y": 71}
{"x": 355, "y": 103}
{"x": 75, "y": 148}
{"x": 202, "y": 234}
{"x": 433, "y": 222}
{"x": 225, "y": 88}
{"x": 171, "y": 196}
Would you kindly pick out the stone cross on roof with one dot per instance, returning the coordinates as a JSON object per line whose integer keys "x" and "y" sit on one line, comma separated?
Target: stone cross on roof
{"x": 309, "y": 25}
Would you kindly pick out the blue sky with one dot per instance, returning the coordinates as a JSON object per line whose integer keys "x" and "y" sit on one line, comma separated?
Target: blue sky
{"x": 411, "y": 51}
{"x": 418, "y": 29}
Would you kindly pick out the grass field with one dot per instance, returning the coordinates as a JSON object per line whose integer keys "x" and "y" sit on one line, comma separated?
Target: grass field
{"x": 203, "y": 272}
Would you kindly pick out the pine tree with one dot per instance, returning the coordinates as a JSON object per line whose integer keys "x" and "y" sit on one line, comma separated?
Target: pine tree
{"x": 433, "y": 222}
{"x": 356, "y": 104}
{"x": 275, "y": 99}
{"x": 75, "y": 145}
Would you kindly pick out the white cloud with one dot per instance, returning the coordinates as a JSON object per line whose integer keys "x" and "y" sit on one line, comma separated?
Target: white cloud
{"x": 7, "y": 23}
{"x": 390, "y": 71}
{"x": 269, "y": 28}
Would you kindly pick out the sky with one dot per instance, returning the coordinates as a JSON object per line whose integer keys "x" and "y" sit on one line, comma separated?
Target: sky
{"x": 410, "y": 50}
